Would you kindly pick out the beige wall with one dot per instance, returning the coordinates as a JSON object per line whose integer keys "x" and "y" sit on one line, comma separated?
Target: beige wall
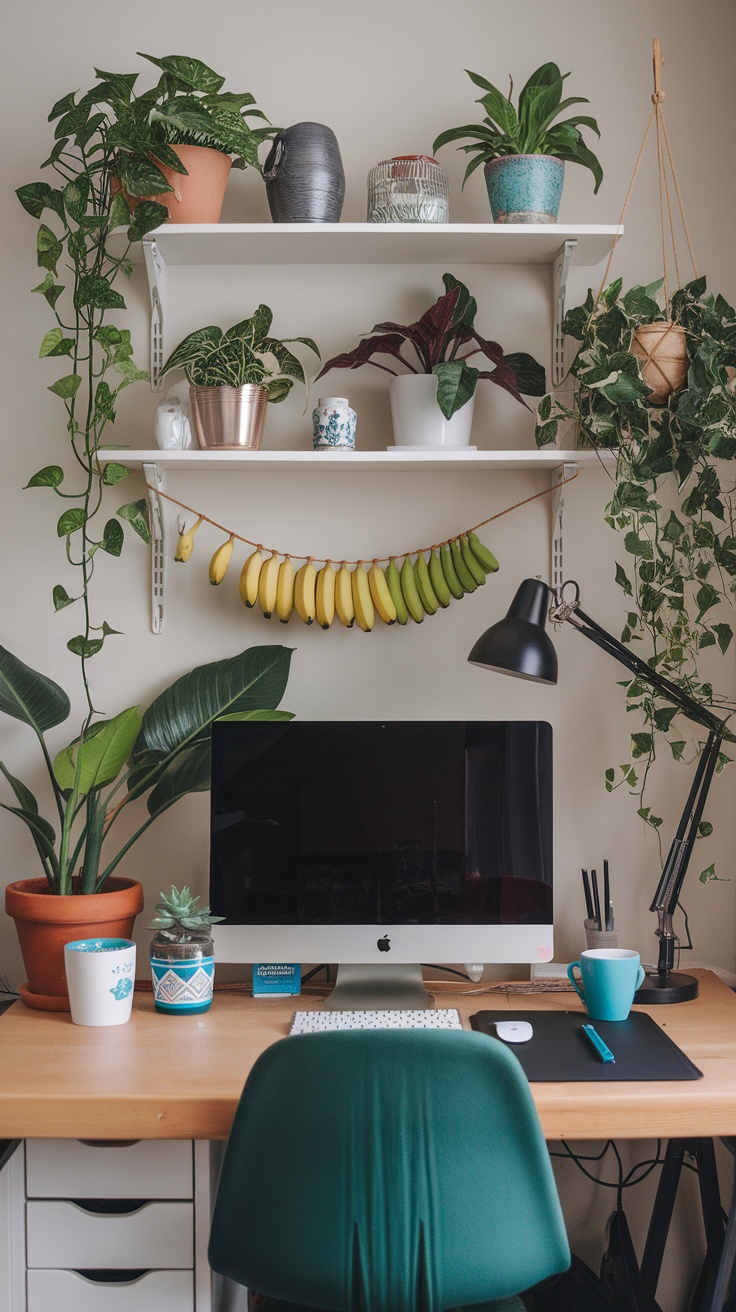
{"x": 387, "y": 78}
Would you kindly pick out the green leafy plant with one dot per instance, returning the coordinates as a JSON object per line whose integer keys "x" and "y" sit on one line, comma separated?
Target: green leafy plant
{"x": 532, "y": 129}
{"x": 242, "y": 355}
{"x": 163, "y": 755}
{"x": 437, "y": 339}
{"x": 180, "y": 915}
{"x": 187, "y": 106}
{"x": 672, "y": 501}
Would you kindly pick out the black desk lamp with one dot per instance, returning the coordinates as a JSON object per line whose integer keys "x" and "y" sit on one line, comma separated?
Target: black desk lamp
{"x": 519, "y": 645}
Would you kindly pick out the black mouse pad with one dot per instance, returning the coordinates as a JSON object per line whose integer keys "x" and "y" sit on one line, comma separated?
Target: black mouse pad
{"x": 559, "y": 1050}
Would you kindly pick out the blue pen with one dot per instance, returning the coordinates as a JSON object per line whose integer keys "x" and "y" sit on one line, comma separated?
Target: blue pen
{"x": 604, "y": 1052}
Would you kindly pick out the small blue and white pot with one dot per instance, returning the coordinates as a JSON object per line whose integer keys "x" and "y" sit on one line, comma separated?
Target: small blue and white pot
{"x": 333, "y": 424}
{"x": 524, "y": 188}
{"x": 182, "y": 981}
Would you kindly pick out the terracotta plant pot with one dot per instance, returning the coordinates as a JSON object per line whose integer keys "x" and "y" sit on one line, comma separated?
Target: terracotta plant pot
{"x": 45, "y": 922}
{"x": 662, "y": 347}
{"x": 198, "y": 194}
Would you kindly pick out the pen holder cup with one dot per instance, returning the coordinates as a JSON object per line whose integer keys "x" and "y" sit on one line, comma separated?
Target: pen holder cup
{"x": 599, "y": 938}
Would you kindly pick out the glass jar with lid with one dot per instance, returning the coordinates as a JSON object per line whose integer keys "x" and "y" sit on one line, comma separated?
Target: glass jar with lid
{"x": 408, "y": 189}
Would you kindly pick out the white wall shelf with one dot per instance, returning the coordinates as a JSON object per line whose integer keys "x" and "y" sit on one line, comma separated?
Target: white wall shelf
{"x": 326, "y": 462}
{"x": 445, "y": 244}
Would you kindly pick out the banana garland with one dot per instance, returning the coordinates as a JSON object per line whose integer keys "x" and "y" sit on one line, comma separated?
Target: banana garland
{"x": 358, "y": 595}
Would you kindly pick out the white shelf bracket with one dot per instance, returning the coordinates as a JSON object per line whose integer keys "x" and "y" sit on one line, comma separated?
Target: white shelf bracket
{"x": 559, "y": 478}
{"x": 560, "y": 269}
{"x": 156, "y": 271}
{"x": 154, "y": 479}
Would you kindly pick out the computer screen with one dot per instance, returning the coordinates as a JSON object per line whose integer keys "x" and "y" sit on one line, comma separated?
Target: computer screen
{"x": 396, "y": 841}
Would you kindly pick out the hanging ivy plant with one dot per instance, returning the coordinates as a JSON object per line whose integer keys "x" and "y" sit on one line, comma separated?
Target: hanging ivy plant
{"x": 673, "y": 495}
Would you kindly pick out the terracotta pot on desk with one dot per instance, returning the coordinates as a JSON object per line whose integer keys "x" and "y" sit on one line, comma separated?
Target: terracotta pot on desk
{"x": 46, "y": 921}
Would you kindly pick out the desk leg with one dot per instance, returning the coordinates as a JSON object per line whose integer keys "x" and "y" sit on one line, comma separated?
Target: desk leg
{"x": 659, "y": 1225}
{"x": 724, "y": 1293}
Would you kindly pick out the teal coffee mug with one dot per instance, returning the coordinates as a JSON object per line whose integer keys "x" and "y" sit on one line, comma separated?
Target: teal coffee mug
{"x": 609, "y": 978}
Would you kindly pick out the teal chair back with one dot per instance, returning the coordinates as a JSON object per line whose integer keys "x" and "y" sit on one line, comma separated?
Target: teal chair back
{"x": 387, "y": 1171}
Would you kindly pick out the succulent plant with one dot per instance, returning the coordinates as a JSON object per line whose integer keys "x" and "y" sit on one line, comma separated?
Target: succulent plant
{"x": 181, "y": 913}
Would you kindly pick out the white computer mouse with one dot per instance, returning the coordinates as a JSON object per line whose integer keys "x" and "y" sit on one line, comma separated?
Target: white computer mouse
{"x": 514, "y": 1031}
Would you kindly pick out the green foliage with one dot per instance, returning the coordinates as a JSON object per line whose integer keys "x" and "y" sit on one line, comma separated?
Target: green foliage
{"x": 673, "y": 499}
{"x": 181, "y": 915}
{"x": 165, "y": 754}
{"x": 245, "y": 354}
{"x": 436, "y": 339}
{"x": 533, "y": 129}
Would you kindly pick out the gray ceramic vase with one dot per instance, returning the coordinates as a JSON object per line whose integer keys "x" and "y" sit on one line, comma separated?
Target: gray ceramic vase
{"x": 305, "y": 181}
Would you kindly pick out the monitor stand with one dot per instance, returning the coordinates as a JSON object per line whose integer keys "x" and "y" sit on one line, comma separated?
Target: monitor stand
{"x": 379, "y": 988}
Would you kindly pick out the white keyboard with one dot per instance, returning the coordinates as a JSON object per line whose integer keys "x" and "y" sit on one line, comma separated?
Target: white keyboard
{"x": 323, "y": 1022}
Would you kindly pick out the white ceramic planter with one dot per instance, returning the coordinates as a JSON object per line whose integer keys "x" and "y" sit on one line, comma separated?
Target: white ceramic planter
{"x": 417, "y": 419}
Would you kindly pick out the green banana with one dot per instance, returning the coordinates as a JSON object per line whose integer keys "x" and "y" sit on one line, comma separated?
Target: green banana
{"x": 450, "y": 573}
{"x": 393, "y": 579}
{"x": 472, "y": 564}
{"x": 483, "y": 554}
{"x": 438, "y": 580}
{"x": 424, "y": 587}
{"x": 466, "y": 578}
{"x": 409, "y": 591}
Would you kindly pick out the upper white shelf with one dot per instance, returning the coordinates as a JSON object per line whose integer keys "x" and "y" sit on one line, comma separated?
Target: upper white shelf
{"x": 348, "y": 461}
{"x": 379, "y": 243}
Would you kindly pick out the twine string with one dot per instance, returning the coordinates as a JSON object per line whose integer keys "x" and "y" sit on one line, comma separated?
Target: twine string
{"x": 276, "y": 551}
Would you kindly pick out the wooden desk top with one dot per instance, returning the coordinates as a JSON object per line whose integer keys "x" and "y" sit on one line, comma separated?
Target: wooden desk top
{"x": 179, "y": 1077}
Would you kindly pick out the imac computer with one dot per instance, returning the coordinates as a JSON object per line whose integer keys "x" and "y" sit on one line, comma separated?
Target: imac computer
{"x": 380, "y": 846}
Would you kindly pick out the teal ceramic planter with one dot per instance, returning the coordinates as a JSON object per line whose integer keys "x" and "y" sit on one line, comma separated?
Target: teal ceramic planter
{"x": 524, "y": 188}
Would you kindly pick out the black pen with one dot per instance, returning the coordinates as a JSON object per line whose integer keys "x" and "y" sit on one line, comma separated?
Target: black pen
{"x": 596, "y": 900}
{"x": 607, "y": 908}
{"x": 588, "y": 898}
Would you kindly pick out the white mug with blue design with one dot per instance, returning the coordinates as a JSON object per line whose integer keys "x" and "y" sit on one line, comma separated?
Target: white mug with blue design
{"x": 100, "y": 977}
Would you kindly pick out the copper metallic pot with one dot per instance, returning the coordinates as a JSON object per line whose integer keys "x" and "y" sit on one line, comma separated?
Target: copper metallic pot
{"x": 229, "y": 417}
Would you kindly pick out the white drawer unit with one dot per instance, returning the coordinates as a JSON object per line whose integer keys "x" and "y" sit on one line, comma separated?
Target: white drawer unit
{"x": 70, "y": 1168}
{"x": 68, "y": 1291}
{"x": 116, "y": 1227}
{"x": 63, "y": 1234}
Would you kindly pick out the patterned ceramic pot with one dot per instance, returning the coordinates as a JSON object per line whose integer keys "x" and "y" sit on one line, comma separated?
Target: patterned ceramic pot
{"x": 183, "y": 974}
{"x": 333, "y": 424}
{"x": 305, "y": 180}
{"x": 524, "y": 188}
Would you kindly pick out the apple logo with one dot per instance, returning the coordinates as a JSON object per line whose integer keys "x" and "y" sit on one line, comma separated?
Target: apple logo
{"x": 384, "y": 944}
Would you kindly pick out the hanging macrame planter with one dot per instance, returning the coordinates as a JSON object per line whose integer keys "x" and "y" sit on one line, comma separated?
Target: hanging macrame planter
{"x": 662, "y": 346}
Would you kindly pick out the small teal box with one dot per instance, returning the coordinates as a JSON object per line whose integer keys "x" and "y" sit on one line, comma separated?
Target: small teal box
{"x": 276, "y": 978}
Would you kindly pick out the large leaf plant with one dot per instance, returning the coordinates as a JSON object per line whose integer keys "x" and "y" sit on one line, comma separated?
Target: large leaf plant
{"x": 163, "y": 755}
{"x": 442, "y": 342}
{"x": 245, "y": 354}
{"x": 532, "y": 129}
{"x": 673, "y": 497}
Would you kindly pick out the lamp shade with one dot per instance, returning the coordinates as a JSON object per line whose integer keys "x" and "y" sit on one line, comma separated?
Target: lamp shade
{"x": 519, "y": 644}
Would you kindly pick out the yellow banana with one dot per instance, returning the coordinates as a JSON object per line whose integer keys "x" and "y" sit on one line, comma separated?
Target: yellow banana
{"x": 483, "y": 554}
{"x": 220, "y": 561}
{"x": 285, "y": 591}
{"x": 409, "y": 589}
{"x": 382, "y": 599}
{"x": 249, "y": 578}
{"x": 185, "y": 545}
{"x": 344, "y": 597}
{"x": 393, "y": 582}
{"x": 473, "y": 565}
{"x": 363, "y": 602}
{"x": 424, "y": 587}
{"x": 324, "y": 599}
{"x": 267, "y": 585}
{"x": 305, "y": 599}
{"x": 437, "y": 578}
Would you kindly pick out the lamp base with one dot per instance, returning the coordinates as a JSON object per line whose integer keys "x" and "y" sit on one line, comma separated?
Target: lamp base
{"x": 669, "y": 988}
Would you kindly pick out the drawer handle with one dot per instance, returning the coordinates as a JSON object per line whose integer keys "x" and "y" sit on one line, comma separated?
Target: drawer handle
{"x": 108, "y": 1143}
{"x": 110, "y": 1206}
{"x": 112, "y": 1277}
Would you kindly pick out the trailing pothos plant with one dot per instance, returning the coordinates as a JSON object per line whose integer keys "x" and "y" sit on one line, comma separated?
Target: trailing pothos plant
{"x": 439, "y": 341}
{"x": 163, "y": 755}
{"x": 673, "y": 496}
